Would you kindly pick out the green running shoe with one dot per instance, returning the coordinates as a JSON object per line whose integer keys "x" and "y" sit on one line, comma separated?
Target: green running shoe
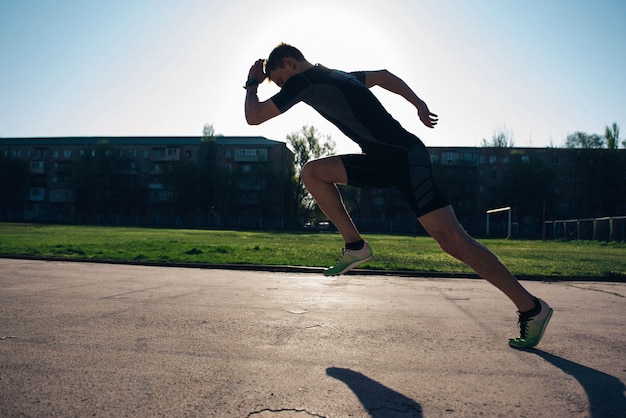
{"x": 350, "y": 259}
{"x": 532, "y": 327}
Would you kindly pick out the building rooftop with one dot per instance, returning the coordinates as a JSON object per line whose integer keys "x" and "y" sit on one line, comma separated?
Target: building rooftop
{"x": 139, "y": 140}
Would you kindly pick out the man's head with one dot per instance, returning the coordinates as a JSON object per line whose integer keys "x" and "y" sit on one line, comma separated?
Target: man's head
{"x": 283, "y": 62}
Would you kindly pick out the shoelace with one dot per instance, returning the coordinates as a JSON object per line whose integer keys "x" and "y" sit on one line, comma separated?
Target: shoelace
{"x": 343, "y": 252}
{"x": 523, "y": 326}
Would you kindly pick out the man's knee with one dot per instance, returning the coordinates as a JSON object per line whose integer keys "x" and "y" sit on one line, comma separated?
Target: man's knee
{"x": 308, "y": 172}
{"x": 325, "y": 170}
{"x": 443, "y": 226}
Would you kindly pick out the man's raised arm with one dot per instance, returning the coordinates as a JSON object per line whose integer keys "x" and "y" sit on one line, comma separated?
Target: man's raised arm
{"x": 394, "y": 84}
{"x": 256, "y": 111}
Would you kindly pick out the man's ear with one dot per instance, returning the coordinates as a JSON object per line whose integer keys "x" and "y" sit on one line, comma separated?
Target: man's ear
{"x": 289, "y": 62}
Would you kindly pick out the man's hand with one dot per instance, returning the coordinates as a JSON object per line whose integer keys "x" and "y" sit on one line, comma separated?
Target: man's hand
{"x": 256, "y": 111}
{"x": 256, "y": 71}
{"x": 426, "y": 116}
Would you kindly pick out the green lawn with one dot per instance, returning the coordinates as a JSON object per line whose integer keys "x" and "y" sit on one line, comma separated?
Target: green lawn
{"x": 549, "y": 259}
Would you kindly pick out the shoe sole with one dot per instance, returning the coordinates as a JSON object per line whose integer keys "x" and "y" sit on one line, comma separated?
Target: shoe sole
{"x": 351, "y": 266}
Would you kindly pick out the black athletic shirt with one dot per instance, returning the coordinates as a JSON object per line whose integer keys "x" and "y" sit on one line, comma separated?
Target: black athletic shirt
{"x": 344, "y": 100}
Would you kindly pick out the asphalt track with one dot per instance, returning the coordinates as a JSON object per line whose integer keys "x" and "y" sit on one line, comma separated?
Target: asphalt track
{"x": 82, "y": 339}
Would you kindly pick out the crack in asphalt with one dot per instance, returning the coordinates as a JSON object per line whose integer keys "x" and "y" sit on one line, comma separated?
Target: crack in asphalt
{"x": 597, "y": 290}
{"x": 285, "y": 410}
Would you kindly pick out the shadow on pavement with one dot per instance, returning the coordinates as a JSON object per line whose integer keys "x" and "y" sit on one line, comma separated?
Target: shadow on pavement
{"x": 605, "y": 392}
{"x": 379, "y": 400}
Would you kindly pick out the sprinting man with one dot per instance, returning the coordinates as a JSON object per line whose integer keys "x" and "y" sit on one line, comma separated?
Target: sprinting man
{"x": 392, "y": 157}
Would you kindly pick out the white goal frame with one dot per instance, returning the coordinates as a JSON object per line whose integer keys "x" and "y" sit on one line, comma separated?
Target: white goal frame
{"x": 506, "y": 209}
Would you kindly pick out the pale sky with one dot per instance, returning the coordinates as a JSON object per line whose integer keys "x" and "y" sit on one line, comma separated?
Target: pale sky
{"x": 538, "y": 70}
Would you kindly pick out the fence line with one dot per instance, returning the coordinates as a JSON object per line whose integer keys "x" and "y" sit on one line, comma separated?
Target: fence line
{"x": 609, "y": 228}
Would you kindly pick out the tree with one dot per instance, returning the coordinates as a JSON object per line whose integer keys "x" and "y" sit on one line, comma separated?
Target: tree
{"x": 208, "y": 133}
{"x": 611, "y": 134}
{"x": 213, "y": 190}
{"x": 583, "y": 140}
{"x": 308, "y": 144}
{"x": 500, "y": 139}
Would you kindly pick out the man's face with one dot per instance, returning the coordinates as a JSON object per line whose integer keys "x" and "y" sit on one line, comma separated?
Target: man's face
{"x": 282, "y": 74}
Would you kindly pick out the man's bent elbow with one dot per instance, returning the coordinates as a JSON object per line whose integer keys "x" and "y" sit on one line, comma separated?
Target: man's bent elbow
{"x": 253, "y": 121}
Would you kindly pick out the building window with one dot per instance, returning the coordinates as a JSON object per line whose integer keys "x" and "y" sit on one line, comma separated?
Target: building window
{"x": 448, "y": 157}
{"x": 37, "y": 167}
{"x": 469, "y": 156}
{"x": 575, "y": 175}
{"x": 251, "y": 154}
{"x": 37, "y": 194}
{"x": 67, "y": 153}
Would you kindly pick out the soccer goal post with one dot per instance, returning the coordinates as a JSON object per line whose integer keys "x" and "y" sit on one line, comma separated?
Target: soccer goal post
{"x": 506, "y": 209}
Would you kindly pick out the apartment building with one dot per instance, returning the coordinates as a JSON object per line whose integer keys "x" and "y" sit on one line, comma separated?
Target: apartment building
{"x": 539, "y": 184}
{"x": 183, "y": 181}
{"x": 247, "y": 182}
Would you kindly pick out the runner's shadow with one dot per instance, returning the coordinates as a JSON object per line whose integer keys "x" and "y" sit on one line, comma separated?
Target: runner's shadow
{"x": 379, "y": 400}
{"x": 605, "y": 392}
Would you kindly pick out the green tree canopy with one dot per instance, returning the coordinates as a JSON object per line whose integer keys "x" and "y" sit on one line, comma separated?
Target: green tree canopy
{"x": 308, "y": 144}
{"x": 611, "y": 135}
{"x": 502, "y": 138}
{"x": 583, "y": 140}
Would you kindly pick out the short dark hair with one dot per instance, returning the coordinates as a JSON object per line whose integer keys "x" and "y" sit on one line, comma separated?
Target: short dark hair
{"x": 283, "y": 50}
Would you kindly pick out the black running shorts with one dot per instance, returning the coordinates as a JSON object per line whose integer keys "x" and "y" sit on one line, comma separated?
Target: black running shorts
{"x": 409, "y": 171}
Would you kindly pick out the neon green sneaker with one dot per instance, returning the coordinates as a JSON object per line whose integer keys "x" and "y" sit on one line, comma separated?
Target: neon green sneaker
{"x": 350, "y": 259}
{"x": 532, "y": 327}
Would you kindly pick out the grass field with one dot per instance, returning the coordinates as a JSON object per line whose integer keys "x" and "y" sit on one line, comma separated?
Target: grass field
{"x": 549, "y": 259}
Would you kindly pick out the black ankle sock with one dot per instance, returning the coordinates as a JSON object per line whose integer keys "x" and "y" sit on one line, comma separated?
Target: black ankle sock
{"x": 358, "y": 245}
{"x": 534, "y": 311}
